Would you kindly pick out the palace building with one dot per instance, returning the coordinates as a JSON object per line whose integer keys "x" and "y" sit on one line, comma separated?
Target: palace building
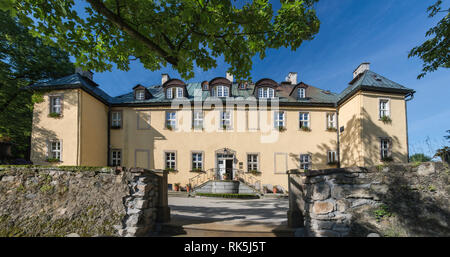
{"x": 222, "y": 129}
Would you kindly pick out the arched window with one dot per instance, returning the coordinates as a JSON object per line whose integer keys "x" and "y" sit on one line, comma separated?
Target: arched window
{"x": 266, "y": 92}
{"x": 221, "y": 91}
{"x": 174, "y": 92}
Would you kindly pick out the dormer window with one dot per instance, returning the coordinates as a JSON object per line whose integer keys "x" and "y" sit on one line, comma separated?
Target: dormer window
{"x": 205, "y": 86}
{"x": 140, "y": 94}
{"x": 174, "y": 92}
{"x": 266, "y": 92}
{"x": 221, "y": 91}
{"x": 301, "y": 93}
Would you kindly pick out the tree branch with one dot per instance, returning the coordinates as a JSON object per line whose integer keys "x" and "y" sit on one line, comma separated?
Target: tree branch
{"x": 121, "y": 24}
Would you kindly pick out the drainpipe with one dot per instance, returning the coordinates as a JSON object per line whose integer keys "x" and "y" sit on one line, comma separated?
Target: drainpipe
{"x": 406, "y": 118}
{"x": 109, "y": 137}
{"x": 337, "y": 137}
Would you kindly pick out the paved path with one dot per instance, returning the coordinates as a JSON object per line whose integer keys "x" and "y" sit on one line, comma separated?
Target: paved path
{"x": 230, "y": 215}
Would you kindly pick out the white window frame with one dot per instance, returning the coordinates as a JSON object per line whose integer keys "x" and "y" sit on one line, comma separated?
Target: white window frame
{"x": 266, "y": 92}
{"x": 302, "y": 120}
{"x": 252, "y": 164}
{"x": 56, "y": 107}
{"x": 278, "y": 121}
{"x": 332, "y": 156}
{"x": 55, "y": 148}
{"x": 221, "y": 91}
{"x": 171, "y": 120}
{"x": 385, "y": 148}
{"x": 305, "y": 161}
{"x": 331, "y": 120}
{"x": 301, "y": 93}
{"x": 386, "y": 111}
{"x": 226, "y": 118}
{"x": 169, "y": 93}
{"x": 140, "y": 94}
{"x": 170, "y": 160}
{"x": 197, "y": 163}
{"x": 116, "y": 118}
{"x": 197, "y": 119}
{"x": 179, "y": 92}
{"x": 116, "y": 157}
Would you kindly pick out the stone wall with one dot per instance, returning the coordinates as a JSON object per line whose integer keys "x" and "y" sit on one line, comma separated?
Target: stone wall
{"x": 389, "y": 200}
{"x": 84, "y": 201}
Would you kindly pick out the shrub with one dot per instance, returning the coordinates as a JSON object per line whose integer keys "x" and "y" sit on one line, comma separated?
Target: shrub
{"x": 419, "y": 157}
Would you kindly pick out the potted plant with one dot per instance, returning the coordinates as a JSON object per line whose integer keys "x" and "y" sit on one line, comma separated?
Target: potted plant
{"x": 169, "y": 169}
{"x": 177, "y": 186}
{"x": 387, "y": 159}
{"x": 169, "y": 127}
{"x": 225, "y": 176}
{"x": 197, "y": 170}
{"x": 54, "y": 114}
{"x": 188, "y": 187}
{"x": 386, "y": 119}
{"x": 274, "y": 189}
{"x": 281, "y": 128}
{"x": 224, "y": 127}
{"x": 306, "y": 129}
{"x": 52, "y": 160}
{"x": 255, "y": 172}
{"x": 332, "y": 129}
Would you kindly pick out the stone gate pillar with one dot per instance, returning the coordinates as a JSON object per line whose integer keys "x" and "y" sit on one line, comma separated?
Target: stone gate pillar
{"x": 296, "y": 201}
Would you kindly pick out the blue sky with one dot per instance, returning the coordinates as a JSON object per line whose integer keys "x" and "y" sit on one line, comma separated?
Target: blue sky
{"x": 381, "y": 32}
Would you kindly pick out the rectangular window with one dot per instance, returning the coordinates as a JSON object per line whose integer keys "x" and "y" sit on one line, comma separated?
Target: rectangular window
{"x": 225, "y": 119}
{"x": 252, "y": 162}
{"x": 179, "y": 92}
{"x": 305, "y": 161}
{"x": 331, "y": 157}
{"x": 140, "y": 95}
{"x": 116, "y": 119}
{"x": 279, "y": 119}
{"x": 55, "y": 104}
{"x": 116, "y": 157}
{"x": 170, "y": 160}
{"x": 169, "y": 93}
{"x": 171, "y": 120}
{"x": 304, "y": 119}
{"x": 384, "y": 108}
{"x": 197, "y": 161}
{"x": 55, "y": 150}
{"x": 331, "y": 120}
{"x": 301, "y": 93}
{"x": 385, "y": 148}
{"x": 197, "y": 119}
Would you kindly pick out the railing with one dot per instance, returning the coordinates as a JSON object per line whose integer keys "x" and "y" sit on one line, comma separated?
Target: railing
{"x": 249, "y": 179}
{"x": 239, "y": 175}
{"x": 202, "y": 178}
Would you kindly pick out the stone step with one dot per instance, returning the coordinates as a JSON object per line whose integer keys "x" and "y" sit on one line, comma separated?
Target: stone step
{"x": 220, "y": 230}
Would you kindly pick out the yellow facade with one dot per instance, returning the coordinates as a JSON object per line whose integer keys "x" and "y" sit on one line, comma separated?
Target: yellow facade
{"x": 144, "y": 139}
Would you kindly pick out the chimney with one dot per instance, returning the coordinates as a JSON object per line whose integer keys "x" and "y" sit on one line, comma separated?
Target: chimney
{"x": 292, "y": 77}
{"x": 230, "y": 77}
{"x": 164, "y": 78}
{"x": 361, "y": 68}
{"x": 85, "y": 73}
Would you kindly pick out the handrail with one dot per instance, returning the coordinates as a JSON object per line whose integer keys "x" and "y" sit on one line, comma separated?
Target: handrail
{"x": 250, "y": 180}
{"x": 240, "y": 175}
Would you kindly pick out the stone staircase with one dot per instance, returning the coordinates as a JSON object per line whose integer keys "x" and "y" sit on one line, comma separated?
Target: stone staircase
{"x": 211, "y": 186}
{"x": 177, "y": 229}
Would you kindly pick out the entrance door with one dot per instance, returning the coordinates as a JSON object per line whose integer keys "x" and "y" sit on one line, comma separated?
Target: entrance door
{"x": 229, "y": 168}
{"x": 221, "y": 168}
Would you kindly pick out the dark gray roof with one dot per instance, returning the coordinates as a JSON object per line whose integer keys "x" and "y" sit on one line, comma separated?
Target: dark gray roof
{"x": 367, "y": 80}
{"x": 370, "y": 80}
{"x": 76, "y": 81}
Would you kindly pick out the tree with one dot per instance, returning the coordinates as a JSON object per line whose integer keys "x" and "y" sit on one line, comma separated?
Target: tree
{"x": 157, "y": 33}
{"x": 24, "y": 60}
{"x": 435, "y": 52}
{"x": 419, "y": 157}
